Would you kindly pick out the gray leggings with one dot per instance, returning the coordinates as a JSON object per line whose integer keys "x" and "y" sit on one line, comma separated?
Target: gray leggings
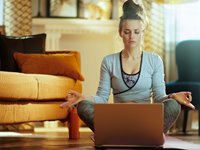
{"x": 171, "y": 112}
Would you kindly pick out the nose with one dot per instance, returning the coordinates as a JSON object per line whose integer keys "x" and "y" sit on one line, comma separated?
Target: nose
{"x": 132, "y": 35}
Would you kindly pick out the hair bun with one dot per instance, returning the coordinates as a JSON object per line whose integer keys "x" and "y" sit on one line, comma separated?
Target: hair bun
{"x": 130, "y": 8}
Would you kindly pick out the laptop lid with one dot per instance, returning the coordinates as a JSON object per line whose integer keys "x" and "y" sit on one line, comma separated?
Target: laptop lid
{"x": 125, "y": 124}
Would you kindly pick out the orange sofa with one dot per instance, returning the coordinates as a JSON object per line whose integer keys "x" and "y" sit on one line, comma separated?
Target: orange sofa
{"x": 34, "y": 96}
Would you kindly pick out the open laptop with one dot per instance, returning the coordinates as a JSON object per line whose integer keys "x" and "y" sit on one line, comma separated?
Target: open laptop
{"x": 128, "y": 125}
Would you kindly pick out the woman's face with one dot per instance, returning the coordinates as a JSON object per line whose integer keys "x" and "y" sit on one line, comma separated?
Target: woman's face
{"x": 132, "y": 33}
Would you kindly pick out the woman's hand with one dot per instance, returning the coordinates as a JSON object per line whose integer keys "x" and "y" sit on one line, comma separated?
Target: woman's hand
{"x": 73, "y": 97}
{"x": 184, "y": 98}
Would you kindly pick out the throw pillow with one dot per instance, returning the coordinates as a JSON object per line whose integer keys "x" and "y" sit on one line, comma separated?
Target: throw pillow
{"x": 54, "y": 64}
{"x": 25, "y": 44}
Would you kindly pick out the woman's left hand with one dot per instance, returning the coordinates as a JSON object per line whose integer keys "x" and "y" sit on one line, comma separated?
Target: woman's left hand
{"x": 184, "y": 98}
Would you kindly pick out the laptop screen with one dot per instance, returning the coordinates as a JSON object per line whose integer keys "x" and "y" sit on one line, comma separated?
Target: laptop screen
{"x": 128, "y": 124}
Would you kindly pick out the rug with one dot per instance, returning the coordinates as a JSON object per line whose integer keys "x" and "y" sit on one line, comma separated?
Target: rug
{"x": 172, "y": 142}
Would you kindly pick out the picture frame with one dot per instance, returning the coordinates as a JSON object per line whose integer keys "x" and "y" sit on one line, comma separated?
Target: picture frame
{"x": 95, "y": 9}
{"x": 62, "y": 8}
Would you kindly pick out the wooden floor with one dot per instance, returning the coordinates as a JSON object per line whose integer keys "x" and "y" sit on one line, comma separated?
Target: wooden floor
{"x": 59, "y": 141}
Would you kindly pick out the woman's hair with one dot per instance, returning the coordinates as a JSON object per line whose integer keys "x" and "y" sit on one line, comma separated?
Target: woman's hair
{"x": 132, "y": 10}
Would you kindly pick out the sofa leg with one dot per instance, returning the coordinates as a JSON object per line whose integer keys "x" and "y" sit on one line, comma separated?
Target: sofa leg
{"x": 73, "y": 124}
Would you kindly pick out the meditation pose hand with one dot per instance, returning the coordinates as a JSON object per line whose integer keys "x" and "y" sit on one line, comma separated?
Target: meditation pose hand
{"x": 184, "y": 98}
{"x": 73, "y": 97}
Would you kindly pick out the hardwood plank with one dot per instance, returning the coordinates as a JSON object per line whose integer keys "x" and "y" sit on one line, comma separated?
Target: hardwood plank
{"x": 59, "y": 140}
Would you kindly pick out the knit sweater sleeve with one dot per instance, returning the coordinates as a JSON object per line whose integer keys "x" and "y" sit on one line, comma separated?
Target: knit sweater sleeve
{"x": 158, "y": 83}
{"x": 104, "y": 87}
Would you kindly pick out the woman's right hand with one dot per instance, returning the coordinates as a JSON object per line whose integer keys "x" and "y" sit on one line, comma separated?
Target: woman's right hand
{"x": 73, "y": 97}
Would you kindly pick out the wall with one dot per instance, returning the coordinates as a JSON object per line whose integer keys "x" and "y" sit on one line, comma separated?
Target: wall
{"x": 94, "y": 39}
{"x": 92, "y": 48}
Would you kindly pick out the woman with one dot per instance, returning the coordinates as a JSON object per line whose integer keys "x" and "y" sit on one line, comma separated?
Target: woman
{"x": 133, "y": 74}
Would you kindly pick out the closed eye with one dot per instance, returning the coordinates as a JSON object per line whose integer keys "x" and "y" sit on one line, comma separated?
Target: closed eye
{"x": 137, "y": 31}
{"x": 127, "y": 32}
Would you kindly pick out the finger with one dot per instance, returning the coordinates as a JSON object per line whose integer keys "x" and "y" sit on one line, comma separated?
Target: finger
{"x": 70, "y": 93}
{"x": 63, "y": 105}
{"x": 73, "y": 102}
{"x": 188, "y": 104}
{"x": 191, "y": 105}
{"x": 67, "y": 96}
{"x": 73, "y": 92}
{"x": 186, "y": 92}
{"x": 70, "y": 96}
{"x": 190, "y": 97}
{"x": 66, "y": 105}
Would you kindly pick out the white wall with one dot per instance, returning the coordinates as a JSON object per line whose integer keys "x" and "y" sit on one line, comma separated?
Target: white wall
{"x": 92, "y": 48}
{"x": 94, "y": 39}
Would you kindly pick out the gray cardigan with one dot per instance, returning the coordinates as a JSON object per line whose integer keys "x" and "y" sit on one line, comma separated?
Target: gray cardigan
{"x": 150, "y": 83}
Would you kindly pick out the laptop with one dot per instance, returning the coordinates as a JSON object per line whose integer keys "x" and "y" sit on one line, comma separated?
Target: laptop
{"x": 128, "y": 125}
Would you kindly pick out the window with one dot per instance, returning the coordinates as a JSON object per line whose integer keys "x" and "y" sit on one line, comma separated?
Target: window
{"x": 188, "y": 21}
{"x": 182, "y": 21}
{"x": 1, "y": 12}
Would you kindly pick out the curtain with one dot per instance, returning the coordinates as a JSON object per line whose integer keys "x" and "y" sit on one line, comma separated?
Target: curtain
{"x": 182, "y": 22}
{"x": 170, "y": 41}
{"x": 18, "y": 17}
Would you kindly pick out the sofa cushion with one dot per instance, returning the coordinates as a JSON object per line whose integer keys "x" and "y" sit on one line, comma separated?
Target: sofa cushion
{"x": 51, "y": 87}
{"x": 25, "y": 44}
{"x": 53, "y": 64}
{"x": 20, "y": 86}
{"x": 17, "y": 86}
{"x": 24, "y": 111}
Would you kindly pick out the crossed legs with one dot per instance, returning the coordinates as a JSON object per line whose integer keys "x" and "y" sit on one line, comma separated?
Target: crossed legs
{"x": 171, "y": 112}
